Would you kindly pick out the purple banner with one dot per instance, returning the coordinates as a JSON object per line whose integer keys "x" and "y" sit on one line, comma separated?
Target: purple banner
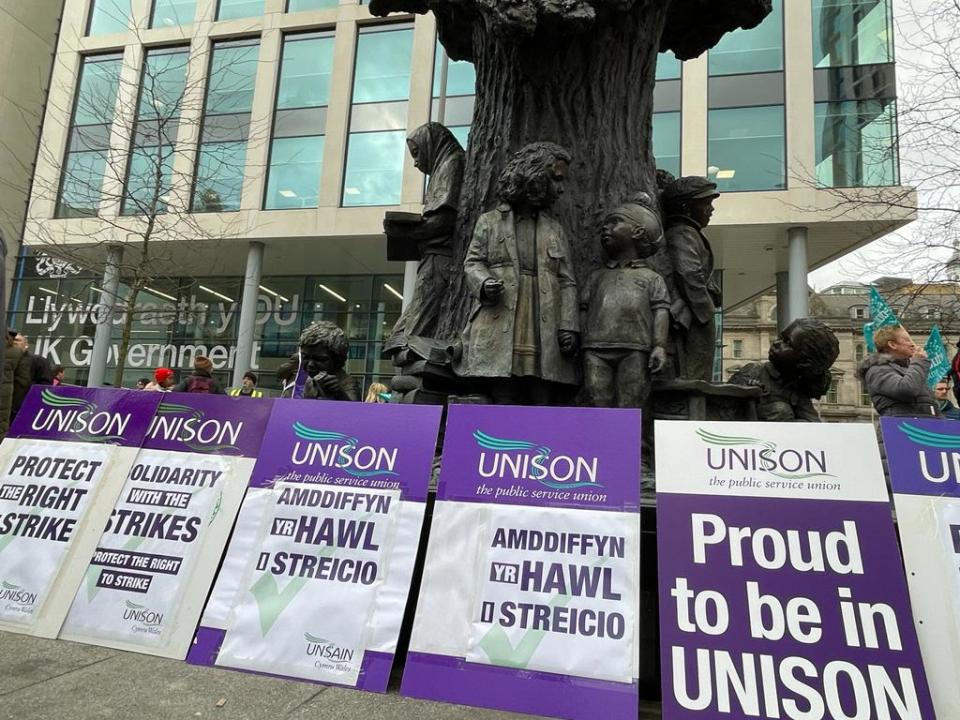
{"x": 350, "y": 444}
{"x": 784, "y": 608}
{"x": 586, "y": 458}
{"x": 212, "y": 424}
{"x": 922, "y": 455}
{"x": 96, "y": 415}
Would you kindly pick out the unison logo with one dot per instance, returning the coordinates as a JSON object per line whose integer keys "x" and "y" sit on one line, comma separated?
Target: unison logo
{"x": 940, "y": 464}
{"x": 336, "y": 450}
{"x": 181, "y": 423}
{"x": 80, "y": 417}
{"x": 755, "y": 454}
{"x": 16, "y": 594}
{"x": 318, "y": 647}
{"x": 140, "y": 614}
{"x": 524, "y": 460}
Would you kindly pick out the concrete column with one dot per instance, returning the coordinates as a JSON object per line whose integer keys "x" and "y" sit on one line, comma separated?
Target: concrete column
{"x": 108, "y": 304}
{"x": 409, "y": 281}
{"x": 247, "y": 326}
{"x": 783, "y": 301}
{"x": 797, "y": 289}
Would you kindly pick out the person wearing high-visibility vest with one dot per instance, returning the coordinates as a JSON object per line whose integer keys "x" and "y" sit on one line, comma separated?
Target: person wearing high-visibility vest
{"x": 248, "y": 387}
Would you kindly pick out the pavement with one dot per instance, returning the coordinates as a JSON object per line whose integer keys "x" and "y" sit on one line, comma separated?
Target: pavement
{"x": 59, "y": 680}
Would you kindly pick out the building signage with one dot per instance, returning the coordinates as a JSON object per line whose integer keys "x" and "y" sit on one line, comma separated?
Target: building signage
{"x": 529, "y": 600}
{"x": 924, "y": 461}
{"x": 155, "y": 562}
{"x": 781, "y": 589}
{"x": 64, "y": 462}
{"x": 318, "y": 571}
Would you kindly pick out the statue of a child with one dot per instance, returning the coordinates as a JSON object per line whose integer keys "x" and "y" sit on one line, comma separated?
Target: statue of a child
{"x": 626, "y": 311}
{"x": 323, "y": 352}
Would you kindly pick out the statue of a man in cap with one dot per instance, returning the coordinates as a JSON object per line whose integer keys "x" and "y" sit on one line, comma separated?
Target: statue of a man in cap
{"x": 688, "y": 206}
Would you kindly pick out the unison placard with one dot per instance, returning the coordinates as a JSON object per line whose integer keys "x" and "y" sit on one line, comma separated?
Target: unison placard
{"x": 923, "y": 457}
{"x": 317, "y": 574}
{"x": 64, "y": 462}
{"x": 153, "y": 567}
{"x": 781, "y": 589}
{"x": 529, "y": 600}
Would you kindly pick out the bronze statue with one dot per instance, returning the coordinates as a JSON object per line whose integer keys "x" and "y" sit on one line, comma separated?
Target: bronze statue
{"x": 797, "y": 372}
{"x": 627, "y": 310}
{"x": 688, "y": 207}
{"x": 523, "y": 329}
{"x": 323, "y": 352}
{"x": 428, "y": 238}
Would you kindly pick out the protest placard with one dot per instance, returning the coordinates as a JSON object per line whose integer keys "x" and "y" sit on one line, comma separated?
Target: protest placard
{"x": 923, "y": 457}
{"x": 64, "y": 462}
{"x": 529, "y": 599}
{"x": 153, "y": 567}
{"x": 317, "y": 574}
{"x": 782, "y": 594}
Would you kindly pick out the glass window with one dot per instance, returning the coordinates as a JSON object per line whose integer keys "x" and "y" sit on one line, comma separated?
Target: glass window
{"x": 457, "y": 89}
{"x": 173, "y": 13}
{"x": 374, "y": 168}
{"x": 84, "y": 165}
{"x": 161, "y": 84}
{"x": 300, "y": 5}
{"x": 296, "y": 154}
{"x": 749, "y": 51}
{"x": 668, "y": 67}
{"x": 865, "y": 396}
{"x": 738, "y": 348}
{"x": 109, "y": 16}
{"x": 382, "y": 69}
{"x": 856, "y": 143}
{"x": 666, "y": 141}
{"x": 832, "y": 392}
{"x": 859, "y": 352}
{"x": 746, "y": 148}
{"x": 461, "y": 75}
{"x": 149, "y": 180}
{"x": 851, "y": 32}
{"x": 229, "y": 9}
{"x": 222, "y": 156}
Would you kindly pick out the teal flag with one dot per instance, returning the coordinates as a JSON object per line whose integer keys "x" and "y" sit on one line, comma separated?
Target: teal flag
{"x": 881, "y": 314}
{"x": 937, "y": 352}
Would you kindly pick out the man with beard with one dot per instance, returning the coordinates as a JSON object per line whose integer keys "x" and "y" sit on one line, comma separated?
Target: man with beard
{"x": 523, "y": 331}
{"x": 797, "y": 372}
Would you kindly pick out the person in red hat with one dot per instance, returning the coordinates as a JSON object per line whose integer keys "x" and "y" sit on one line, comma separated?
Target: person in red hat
{"x": 162, "y": 380}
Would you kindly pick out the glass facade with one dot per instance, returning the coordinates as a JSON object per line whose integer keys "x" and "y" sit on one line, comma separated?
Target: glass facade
{"x": 746, "y": 148}
{"x": 108, "y": 16}
{"x": 666, "y": 141}
{"x": 82, "y": 174}
{"x": 222, "y": 155}
{"x": 851, "y": 32}
{"x": 303, "y": 92}
{"x": 172, "y": 13}
{"x": 149, "y": 175}
{"x": 232, "y": 9}
{"x": 751, "y": 51}
{"x": 856, "y": 143}
{"x": 178, "y": 318}
{"x": 301, "y": 5}
{"x": 378, "y": 116}
{"x": 454, "y": 90}
{"x": 668, "y": 67}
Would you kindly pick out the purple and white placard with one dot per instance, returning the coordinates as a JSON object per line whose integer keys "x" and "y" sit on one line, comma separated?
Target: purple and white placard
{"x": 782, "y": 593}
{"x": 318, "y": 570}
{"x": 923, "y": 456}
{"x": 155, "y": 562}
{"x": 530, "y": 592}
{"x": 64, "y": 462}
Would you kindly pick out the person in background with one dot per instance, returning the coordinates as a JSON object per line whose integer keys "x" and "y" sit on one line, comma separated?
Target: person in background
{"x": 940, "y": 392}
{"x": 377, "y": 393}
{"x": 248, "y": 387}
{"x": 162, "y": 380}
{"x": 23, "y": 373}
{"x": 58, "y": 373}
{"x": 142, "y": 384}
{"x": 13, "y": 359}
{"x": 200, "y": 380}
{"x": 896, "y": 375}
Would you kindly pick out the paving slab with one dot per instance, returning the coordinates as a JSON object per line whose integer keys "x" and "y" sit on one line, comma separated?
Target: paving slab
{"x": 54, "y": 679}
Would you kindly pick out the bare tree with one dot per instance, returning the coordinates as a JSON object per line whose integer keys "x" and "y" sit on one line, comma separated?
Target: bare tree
{"x": 147, "y": 155}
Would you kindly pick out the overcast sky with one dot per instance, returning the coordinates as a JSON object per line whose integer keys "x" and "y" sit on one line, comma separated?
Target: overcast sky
{"x": 875, "y": 260}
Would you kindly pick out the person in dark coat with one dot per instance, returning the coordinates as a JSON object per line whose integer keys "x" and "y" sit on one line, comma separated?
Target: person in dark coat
{"x": 941, "y": 392}
{"x": 200, "y": 380}
{"x": 23, "y": 373}
{"x": 13, "y": 364}
{"x": 896, "y": 375}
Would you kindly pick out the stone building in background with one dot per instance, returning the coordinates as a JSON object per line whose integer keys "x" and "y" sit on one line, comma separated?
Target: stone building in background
{"x": 749, "y": 329}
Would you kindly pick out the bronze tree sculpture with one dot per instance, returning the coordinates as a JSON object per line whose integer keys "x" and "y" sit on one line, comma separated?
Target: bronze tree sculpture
{"x": 579, "y": 73}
